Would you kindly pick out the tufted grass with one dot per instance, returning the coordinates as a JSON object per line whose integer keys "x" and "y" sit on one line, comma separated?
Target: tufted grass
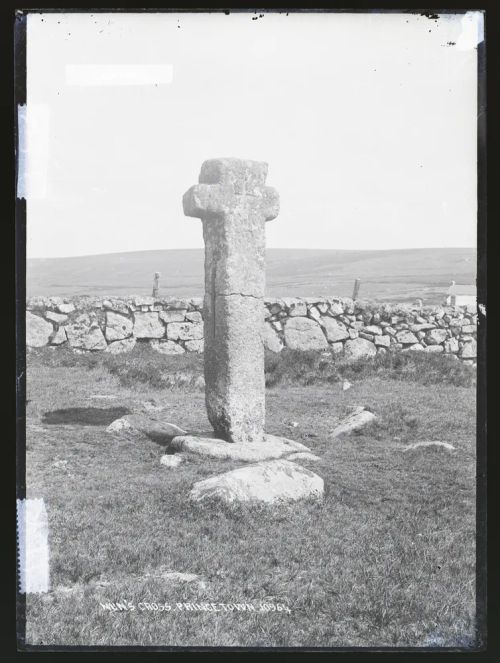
{"x": 388, "y": 559}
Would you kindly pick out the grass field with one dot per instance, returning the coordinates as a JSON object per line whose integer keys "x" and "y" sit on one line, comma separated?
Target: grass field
{"x": 393, "y": 276}
{"x": 388, "y": 559}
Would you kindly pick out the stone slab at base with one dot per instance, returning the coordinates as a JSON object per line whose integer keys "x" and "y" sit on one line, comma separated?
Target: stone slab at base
{"x": 273, "y": 447}
{"x": 270, "y": 482}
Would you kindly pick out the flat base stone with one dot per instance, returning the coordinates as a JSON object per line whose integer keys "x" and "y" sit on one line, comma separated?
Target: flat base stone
{"x": 272, "y": 447}
{"x": 269, "y": 482}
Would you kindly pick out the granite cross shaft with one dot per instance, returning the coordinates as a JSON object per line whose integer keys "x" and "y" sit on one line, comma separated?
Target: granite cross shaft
{"x": 233, "y": 203}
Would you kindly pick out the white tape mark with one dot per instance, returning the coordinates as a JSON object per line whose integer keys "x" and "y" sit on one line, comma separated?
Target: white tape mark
{"x": 33, "y": 150}
{"x": 472, "y": 31}
{"x": 33, "y": 546}
{"x": 119, "y": 74}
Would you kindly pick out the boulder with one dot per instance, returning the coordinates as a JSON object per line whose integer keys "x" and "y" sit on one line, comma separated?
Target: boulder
{"x": 406, "y": 337}
{"x": 173, "y": 316}
{"x": 272, "y": 447}
{"x": 436, "y": 336}
{"x": 334, "y": 330}
{"x": 59, "y": 337}
{"x": 125, "y": 345}
{"x": 359, "y": 347}
{"x": 185, "y": 331}
{"x": 468, "y": 350}
{"x": 451, "y": 345}
{"x": 166, "y": 347}
{"x": 65, "y": 308}
{"x": 384, "y": 341}
{"x": 153, "y": 425}
{"x": 118, "y": 326}
{"x": 148, "y": 325}
{"x": 269, "y": 482}
{"x": 357, "y": 419}
{"x": 372, "y": 329}
{"x": 304, "y": 334}
{"x": 85, "y": 335}
{"x": 38, "y": 331}
{"x": 271, "y": 339}
{"x": 59, "y": 318}
{"x": 296, "y": 307}
{"x": 194, "y": 316}
{"x": 434, "y": 349}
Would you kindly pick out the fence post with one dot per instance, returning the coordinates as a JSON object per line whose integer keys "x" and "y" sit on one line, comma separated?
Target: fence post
{"x": 156, "y": 284}
{"x": 355, "y": 292}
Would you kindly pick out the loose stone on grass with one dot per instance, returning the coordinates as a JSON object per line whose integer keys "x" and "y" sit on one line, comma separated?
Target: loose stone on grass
{"x": 268, "y": 482}
{"x": 358, "y": 418}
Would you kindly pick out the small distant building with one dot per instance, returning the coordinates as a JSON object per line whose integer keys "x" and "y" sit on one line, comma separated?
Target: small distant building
{"x": 461, "y": 295}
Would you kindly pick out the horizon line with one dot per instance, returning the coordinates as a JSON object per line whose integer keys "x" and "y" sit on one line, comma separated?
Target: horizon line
{"x": 269, "y": 248}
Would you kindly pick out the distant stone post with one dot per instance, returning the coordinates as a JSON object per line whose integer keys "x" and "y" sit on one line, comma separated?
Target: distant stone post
{"x": 156, "y": 284}
{"x": 355, "y": 292}
{"x": 233, "y": 203}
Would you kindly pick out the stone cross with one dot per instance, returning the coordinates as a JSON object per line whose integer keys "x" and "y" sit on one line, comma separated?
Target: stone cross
{"x": 233, "y": 203}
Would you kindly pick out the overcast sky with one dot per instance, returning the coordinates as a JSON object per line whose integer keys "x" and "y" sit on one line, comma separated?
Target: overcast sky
{"x": 367, "y": 121}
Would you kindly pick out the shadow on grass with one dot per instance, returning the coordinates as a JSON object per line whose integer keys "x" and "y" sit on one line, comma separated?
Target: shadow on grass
{"x": 85, "y": 416}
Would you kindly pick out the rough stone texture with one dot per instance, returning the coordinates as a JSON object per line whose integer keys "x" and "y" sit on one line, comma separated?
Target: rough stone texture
{"x": 359, "y": 347}
{"x": 59, "y": 337}
{"x": 148, "y": 325}
{"x": 84, "y": 334}
{"x": 184, "y": 331}
{"x": 125, "y": 345}
{"x": 195, "y": 346}
{"x": 194, "y": 316}
{"x": 295, "y": 306}
{"x": 384, "y": 341}
{"x": 38, "y": 330}
{"x": 271, "y": 446}
{"x": 468, "y": 350}
{"x": 451, "y": 345}
{"x": 358, "y": 418}
{"x": 58, "y": 318}
{"x": 372, "y": 329}
{"x": 452, "y": 327}
{"x": 304, "y": 334}
{"x": 234, "y": 204}
{"x": 167, "y": 347}
{"x": 154, "y": 426}
{"x": 118, "y": 326}
{"x": 120, "y": 426}
{"x": 435, "y": 349}
{"x": 334, "y": 330}
{"x": 270, "y": 482}
{"x": 65, "y": 308}
{"x": 303, "y": 455}
{"x": 406, "y": 336}
{"x": 173, "y": 316}
{"x": 435, "y": 336}
{"x": 271, "y": 339}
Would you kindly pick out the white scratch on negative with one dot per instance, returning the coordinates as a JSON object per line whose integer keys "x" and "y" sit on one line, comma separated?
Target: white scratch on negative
{"x": 33, "y": 546}
{"x": 472, "y": 31}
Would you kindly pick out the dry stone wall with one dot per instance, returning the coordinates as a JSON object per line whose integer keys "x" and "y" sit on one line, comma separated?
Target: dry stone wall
{"x": 175, "y": 326}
